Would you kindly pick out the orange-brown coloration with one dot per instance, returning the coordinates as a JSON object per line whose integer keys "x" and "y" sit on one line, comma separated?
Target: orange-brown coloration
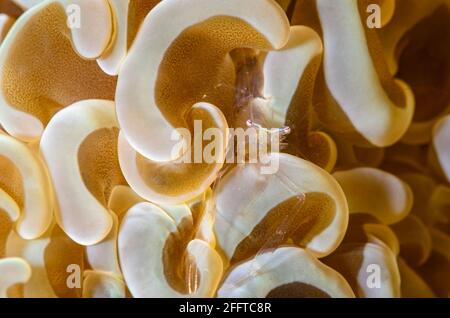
{"x": 137, "y": 11}
{"x": 301, "y": 118}
{"x": 297, "y": 290}
{"x": 183, "y": 79}
{"x": 99, "y": 163}
{"x": 59, "y": 254}
{"x": 11, "y": 180}
{"x": 44, "y": 75}
{"x": 435, "y": 272}
{"x": 395, "y": 93}
{"x": 6, "y": 226}
{"x": 174, "y": 178}
{"x": 298, "y": 219}
{"x": 15, "y": 291}
{"x": 424, "y": 63}
{"x": 179, "y": 269}
{"x": 10, "y": 8}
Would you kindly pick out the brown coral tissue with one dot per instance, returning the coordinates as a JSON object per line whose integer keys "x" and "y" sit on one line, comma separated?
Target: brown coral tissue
{"x": 224, "y": 148}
